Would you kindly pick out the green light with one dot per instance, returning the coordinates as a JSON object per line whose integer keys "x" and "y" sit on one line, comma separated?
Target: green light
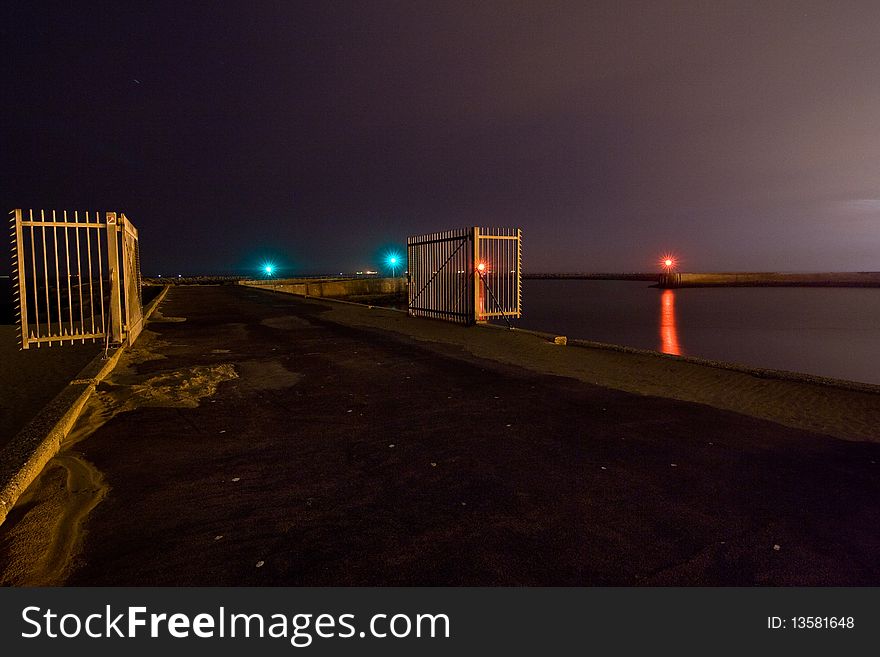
{"x": 268, "y": 269}
{"x": 393, "y": 261}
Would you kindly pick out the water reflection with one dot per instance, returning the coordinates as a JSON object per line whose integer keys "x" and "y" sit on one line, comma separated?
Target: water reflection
{"x": 668, "y": 327}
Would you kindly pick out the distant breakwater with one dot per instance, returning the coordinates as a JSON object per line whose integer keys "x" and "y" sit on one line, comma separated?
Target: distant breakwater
{"x": 627, "y": 276}
{"x": 726, "y": 279}
{"x": 768, "y": 279}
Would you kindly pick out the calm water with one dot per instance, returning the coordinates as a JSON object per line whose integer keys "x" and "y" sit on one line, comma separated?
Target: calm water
{"x": 826, "y": 331}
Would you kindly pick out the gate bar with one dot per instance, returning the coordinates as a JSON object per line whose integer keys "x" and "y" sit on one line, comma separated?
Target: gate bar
{"x": 69, "y": 290}
{"x": 57, "y": 276}
{"x": 34, "y": 266}
{"x": 79, "y": 285}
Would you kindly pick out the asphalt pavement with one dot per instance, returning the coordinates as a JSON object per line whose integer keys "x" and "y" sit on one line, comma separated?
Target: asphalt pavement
{"x": 317, "y": 453}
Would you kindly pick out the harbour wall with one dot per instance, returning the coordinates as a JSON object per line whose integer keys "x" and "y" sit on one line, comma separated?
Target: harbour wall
{"x": 769, "y": 279}
{"x": 332, "y": 289}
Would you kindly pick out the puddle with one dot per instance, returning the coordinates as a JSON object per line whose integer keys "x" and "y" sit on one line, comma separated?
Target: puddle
{"x": 157, "y": 316}
{"x": 268, "y": 375}
{"x": 286, "y": 323}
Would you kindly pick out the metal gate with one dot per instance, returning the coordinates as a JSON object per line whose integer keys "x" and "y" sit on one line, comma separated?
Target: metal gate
{"x": 73, "y": 274}
{"x": 466, "y": 275}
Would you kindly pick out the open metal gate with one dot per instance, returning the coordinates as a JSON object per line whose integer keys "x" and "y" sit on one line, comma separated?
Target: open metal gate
{"x": 466, "y": 275}
{"x": 76, "y": 277}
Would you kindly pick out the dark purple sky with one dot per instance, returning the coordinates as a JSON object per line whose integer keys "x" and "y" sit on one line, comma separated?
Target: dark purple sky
{"x": 741, "y": 137}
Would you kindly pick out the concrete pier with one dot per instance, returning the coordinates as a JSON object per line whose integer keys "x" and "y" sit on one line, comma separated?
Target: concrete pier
{"x": 251, "y": 438}
{"x": 333, "y": 288}
{"x": 769, "y": 279}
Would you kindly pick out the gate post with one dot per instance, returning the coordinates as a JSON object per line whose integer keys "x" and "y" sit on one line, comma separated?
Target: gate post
{"x": 478, "y": 282}
{"x": 113, "y": 264}
{"x": 20, "y": 282}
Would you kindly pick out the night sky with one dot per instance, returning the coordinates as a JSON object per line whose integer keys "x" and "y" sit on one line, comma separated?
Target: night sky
{"x": 741, "y": 136}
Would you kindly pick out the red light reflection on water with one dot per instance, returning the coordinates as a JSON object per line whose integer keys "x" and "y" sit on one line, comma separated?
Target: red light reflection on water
{"x": 668, "y": 327}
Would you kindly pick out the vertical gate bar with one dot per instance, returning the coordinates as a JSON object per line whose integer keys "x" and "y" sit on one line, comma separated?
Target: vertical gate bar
{"x": 115, "y": 277}
{"x": 100, "y": 269}
{"x": 519, "y": 271}
{"x": 494, "y": 271}
{"x": 22, "y": 286}
{"x": 505, "y": 273}
{"x": 508, "y": 279}
{"x": 91, "y": 274}
{"x": 125, "y": 272}
{"x": 441, "y": 280}
{"x": 441, "y": 254}
{"x": 499, "y": 271}
{"x": 69, "y": 289}
{"x": 438, "y": 276}
{"x": 450, "y": 274}
{"x": 428, "y": 264}
{"x": 418, "y": 252}
{"x": 416, "y": 272}
{"x": 408, "y": 260}
{"x": 467, "y": 282}
{"x": 57, "y": 276}
{"x": 441, "y": 289}
{"x": 140, "y": 280}
{"x": 496, "y": 268}
{"x": 79, "y": 279}
{"x": 46, "y": 276}
{"x": 408, "y": 270}
{"x": 463, "y": 280}
{"x": 513, "y": 276}
{"x": 477, "y": 282}
{"x": 444, "y": 303}
{"x": 34, "y": 266}
{"x": 473, "y": 256}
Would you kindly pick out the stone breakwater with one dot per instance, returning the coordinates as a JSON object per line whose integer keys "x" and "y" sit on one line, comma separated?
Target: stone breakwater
{"x": 332, "y": 289}
{"x": 770, "y": 279}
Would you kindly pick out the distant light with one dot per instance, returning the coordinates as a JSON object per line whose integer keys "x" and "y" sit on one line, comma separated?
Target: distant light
{"x": 668, "y": 262}
{"x": 393, "y": 261}
{"x": 268, "y": 269}
{"x": 481, "y": 266}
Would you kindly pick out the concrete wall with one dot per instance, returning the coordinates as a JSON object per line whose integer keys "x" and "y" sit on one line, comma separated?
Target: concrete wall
{"x": 771, "y": 279}
{"x": 333, "y": 289}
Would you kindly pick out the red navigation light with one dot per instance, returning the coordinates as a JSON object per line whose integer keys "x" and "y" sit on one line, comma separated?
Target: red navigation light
{"x": 668, "y": 262}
